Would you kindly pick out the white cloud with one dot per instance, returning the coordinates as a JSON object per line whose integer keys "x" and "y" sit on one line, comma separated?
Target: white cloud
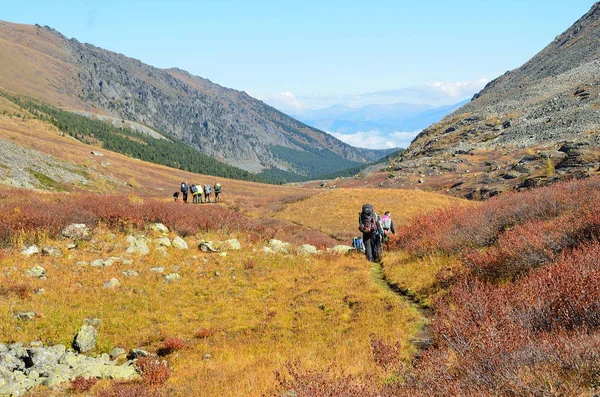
{"x": 459, "y": 89}
{"x": 377, "y": 139}
{"x": 285, "y": 101}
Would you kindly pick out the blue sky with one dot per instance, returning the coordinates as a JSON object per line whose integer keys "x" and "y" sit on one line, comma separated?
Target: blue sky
{"x": 309, "y": 53}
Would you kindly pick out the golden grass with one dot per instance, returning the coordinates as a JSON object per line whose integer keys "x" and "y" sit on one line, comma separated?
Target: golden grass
{"x": 335, "y": 211}
{"x": 422, "y": 278}
{"x": 267, "y": 310}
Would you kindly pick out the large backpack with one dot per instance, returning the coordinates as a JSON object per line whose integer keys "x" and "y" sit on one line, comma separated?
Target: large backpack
{"x": 184, "y": 187}
{"x": 367, "y": 219}
{"x": 386, "y": 222}
{"x": 194, "y": 189}
{"x": 207, "y": 189}
{"x": 217, "y": 187}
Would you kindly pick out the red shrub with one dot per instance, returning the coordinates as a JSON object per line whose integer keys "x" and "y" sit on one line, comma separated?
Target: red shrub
{"x": 170, "y": 344}
{"x": 20, "y": 290}
{"x": 131, "y": 389}
{"x": 81, "y": 384}
{"x": 155, "y": 372}
{"x": 385, "y": 355}
{"x": 206, "y": 333}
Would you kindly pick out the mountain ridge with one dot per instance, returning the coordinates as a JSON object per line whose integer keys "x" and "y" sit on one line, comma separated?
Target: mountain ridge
{"x": 221, "y": 122}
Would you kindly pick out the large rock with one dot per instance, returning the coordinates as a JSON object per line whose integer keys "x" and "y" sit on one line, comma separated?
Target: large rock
{"x": 137, "y": 246}
{"x": 86, "y": 338}
{"x": 307, "y": 249}
{"x": 76, "y": 231}
{"x": 232, "y": 244}
{"x": 340, "y": 249}
{"x": 159, "y": 227}
{"x": 31, "y": 250}
{"x": 163, "y": 242}
{"x": 180, "y": 243}
{"x": 279, "y": 246}
{"x": 207, "y": 246}
{"x": 112, "y": 283}
{"x": 51, "y": 251}
{"x": 36, "y": 271}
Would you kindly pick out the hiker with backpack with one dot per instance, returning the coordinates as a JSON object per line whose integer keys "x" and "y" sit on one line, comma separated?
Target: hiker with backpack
{"x": 184, "y": 190}
{"x": 388, "y": 226}
{"x": 217, "y": 192}
{"x": 207, "y": 192}
{"x": 369, "y": 224}
{"x": 194, "y": 190}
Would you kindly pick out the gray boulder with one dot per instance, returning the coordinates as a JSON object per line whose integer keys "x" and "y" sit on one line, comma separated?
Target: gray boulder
{"x": 159, "y": 227}
{"x": 51, "y": 251}
{"x": 137, "y": 246}
{"x": 76, "y": 231}
{"x": 112, "y": 283}
{"x": 279, "y": 246}
{"x": 159, "y": 269}
{"x": 180, "y": 243}
{"x": 207, "y": 246}
{"x": 31, "y": 250}
{"x": 172, "y": 277}
{"x": 131, "y": 273}
{"x": 86, "y": 338}
{"x": 232, "y": 244}
{"x": 340, "y": 249}
{"x": 117, "y": 352}
{"x": 25, "y": 316}
{"x": 36, "y": 271}
{"x": 163, "y": 242}
{"x": 307, "y": 249}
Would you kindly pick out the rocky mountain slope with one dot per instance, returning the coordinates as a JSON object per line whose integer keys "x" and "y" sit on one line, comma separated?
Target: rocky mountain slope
{"x": 531, "y": 126}
{"x": 224, "y": 123}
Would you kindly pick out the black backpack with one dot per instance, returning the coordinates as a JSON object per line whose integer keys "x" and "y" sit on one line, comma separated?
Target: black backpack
{"x": 184, "y": 187}
{"x": 367, "y": 219}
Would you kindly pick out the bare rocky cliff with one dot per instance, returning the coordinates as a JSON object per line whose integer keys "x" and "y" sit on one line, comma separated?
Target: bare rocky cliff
{"x": 534, "y": 125}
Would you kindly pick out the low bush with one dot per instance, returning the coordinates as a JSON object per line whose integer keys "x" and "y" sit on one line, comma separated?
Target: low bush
{"x": 81, "y": 384}
{"x": 155, "y": 372}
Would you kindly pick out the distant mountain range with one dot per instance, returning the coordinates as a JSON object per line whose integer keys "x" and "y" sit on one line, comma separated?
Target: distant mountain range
{"x": 223, "y": 123}
{"x": 397, "y": 117}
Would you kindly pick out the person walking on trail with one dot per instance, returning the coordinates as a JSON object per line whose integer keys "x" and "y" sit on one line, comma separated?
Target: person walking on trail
{"x": 194, "y": 190}
{"x": 369, "y": 224}
{"x": 184, "y": 191}
{"x": 207, "y": 192}
{"x": 217, "y": 192}
{"x": 388, "y": 226}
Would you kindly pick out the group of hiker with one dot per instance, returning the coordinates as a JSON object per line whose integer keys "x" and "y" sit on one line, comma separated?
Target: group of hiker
{"x": 200, "y": 194}
{"x": 375, "y": 232}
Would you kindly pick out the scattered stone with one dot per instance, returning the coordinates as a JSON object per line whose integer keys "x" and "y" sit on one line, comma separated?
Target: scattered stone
{"x": 86, "y": 338}
{"x": 340, "y": 249}
{"x": 128, "y": 262}
{"x": 207, "y": 356}
{"x": 172, "y": 277}
{"x": 117, "y": 352}
{"x": 136, "y": 353}
{"x": 112, "y": 283}
{"x": 163, "y": 250}
{"x": 223, "y": 254}
{"x": 163, "y": 242}
{"x": 82, "y": 263}
{"x": 76, "y": 231}
{"x": 137, "y": 246}
{"x": 25, "y": 316}
{"x": 51, "y": 251}
{"x": 180, "y": 243}
{"x": 159, "y": 227}
{"x": 71, "y": 246}
{"x": 40, "y": 291}
{"x": 279, "y": 246}
{"x": 159, "y": 269}
{"x": 207, "y": 246}
{"x": 307, "y": 249}
{"x": 131, "y": 273}
{"x": 267, "y": 250}
{"x": 96, "y": 153}
{"x": 36, "y": 271}
{"x": 233, "y": 244}
{"x": 31, "y": 250}
{"x": 421, "y": 180}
